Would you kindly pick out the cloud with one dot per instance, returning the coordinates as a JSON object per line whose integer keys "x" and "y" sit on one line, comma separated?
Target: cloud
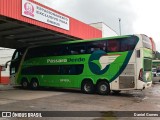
{"x": 148, "y": 18}
{"x": 91, "y": 11}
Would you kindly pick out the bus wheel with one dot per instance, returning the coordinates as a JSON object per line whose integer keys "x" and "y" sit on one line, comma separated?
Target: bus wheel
{"x": 116, "y": 91}
{"x": 24, "y": 83}
{"x": 87, "y": 87}
{"x": 103, "y": 88}
{"x": 34, "y": 84}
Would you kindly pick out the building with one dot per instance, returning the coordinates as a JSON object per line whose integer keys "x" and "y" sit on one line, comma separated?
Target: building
{"x": 106, "y": 30}
{"x": 5, "y": 55}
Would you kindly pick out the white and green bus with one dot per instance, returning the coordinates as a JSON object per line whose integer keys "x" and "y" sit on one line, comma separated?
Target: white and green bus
{"x": 99, "y": 65}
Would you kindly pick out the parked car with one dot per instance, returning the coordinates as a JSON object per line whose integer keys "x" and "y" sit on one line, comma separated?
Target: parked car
{"x": 154, "y": 72}
{"x": 156, "y": 76}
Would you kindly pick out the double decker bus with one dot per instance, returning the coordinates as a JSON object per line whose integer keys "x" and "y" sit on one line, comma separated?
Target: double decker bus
{"x": 99, "y": 65}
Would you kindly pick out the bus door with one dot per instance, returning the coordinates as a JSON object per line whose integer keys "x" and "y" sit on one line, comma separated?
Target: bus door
{"x": 127, "y": 78}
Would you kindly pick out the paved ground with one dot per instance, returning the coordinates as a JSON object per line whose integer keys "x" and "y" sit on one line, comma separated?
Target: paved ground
{"x": 16, "y": 99}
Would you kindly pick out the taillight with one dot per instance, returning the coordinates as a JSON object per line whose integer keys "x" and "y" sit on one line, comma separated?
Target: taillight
{"x": 141, "y": 74}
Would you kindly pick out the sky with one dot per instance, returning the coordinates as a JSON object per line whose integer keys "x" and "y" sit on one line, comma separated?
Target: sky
{"x": 137, "y": 16}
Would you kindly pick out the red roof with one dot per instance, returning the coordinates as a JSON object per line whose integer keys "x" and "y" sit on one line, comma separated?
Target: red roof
{"x": 13, "y": 9}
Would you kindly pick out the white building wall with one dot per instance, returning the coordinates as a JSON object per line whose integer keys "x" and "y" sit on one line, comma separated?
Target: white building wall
{"x": 5, "y": 55}
{"x": 106, "y": 30}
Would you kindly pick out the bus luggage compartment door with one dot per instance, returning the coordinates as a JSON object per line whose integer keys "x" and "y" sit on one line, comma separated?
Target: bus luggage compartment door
{"x": 127, "y": 78}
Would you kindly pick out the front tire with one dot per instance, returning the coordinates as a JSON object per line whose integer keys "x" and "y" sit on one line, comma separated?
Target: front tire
{"x": 87, "y": 87}
{"x": 103, "y": 88}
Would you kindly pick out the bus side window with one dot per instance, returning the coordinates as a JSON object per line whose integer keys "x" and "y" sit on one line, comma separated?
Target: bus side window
{"x": 60, "y": 50}
{"x": 71, "y": 69}
{"x": 127, "y": 44}
{"x": 65, "y": 49}
{"x": 124, "y": 45}
{"x": 77, "y": 49}
{"x": 91, "y": 50}
{"x": 113, "y": 46}
{"x": 82, "y": 51}
{"x": 96, "y": 45}
{"x": 138, "y": 54}
{"x": 74, "y": 52}
{"x": 73, "y": 49}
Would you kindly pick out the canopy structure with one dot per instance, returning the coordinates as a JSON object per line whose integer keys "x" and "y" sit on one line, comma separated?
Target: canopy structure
{"x": 25, "y": 22}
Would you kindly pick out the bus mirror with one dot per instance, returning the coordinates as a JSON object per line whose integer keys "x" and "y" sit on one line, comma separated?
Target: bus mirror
{"x": 7, "y": 63}
{"x": 138, "y": 53}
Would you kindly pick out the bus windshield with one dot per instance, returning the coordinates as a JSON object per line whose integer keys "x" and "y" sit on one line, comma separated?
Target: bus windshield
{"x": 147, "y": 64}
{"x": 16, "y": 58}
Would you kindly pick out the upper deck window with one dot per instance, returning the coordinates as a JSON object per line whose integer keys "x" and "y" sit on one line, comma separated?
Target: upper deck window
{"x": 146, "y": 42}
{"x": 122, "y": 44}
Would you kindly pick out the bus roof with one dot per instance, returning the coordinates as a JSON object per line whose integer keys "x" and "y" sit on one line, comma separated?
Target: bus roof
{"x": 81, "y": 41}
{"x": 78, "y": 41}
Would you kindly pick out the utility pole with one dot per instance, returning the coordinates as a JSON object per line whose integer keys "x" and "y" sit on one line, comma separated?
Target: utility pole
{"x": 119, "y": 26}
